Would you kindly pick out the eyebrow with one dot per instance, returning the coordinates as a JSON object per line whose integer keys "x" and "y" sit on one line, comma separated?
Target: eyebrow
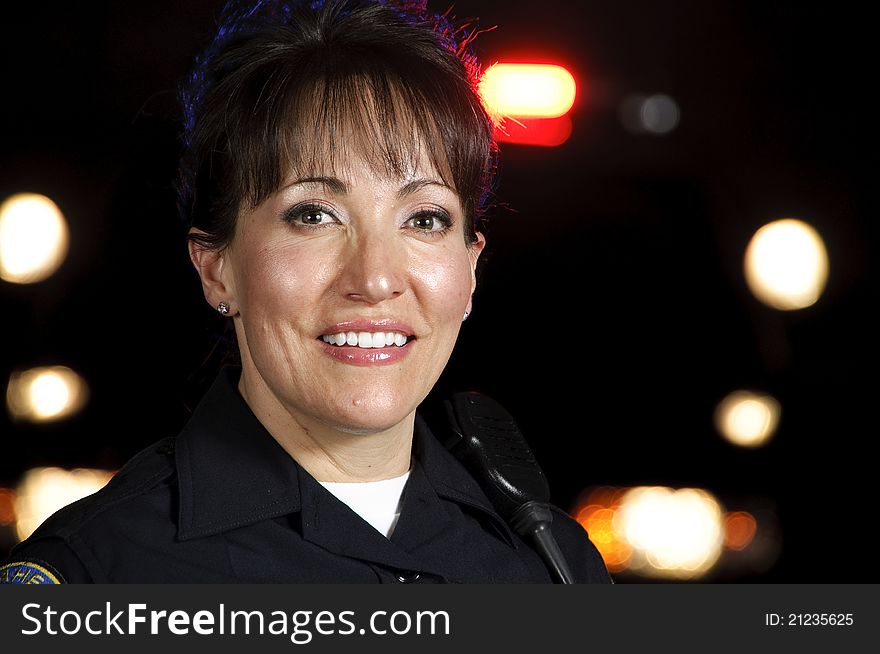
{"x": 339, "y": 187}
{"x": 335, "y": 184}
{"x": 417, "y": 184}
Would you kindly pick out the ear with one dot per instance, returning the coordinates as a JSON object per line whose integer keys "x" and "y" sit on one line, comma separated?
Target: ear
{"x": 474, "y": 251}
{"x": 213, "y": 269}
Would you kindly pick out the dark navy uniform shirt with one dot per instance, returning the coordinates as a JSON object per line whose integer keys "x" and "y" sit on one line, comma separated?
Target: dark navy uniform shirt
{"x": 223, "y": 502}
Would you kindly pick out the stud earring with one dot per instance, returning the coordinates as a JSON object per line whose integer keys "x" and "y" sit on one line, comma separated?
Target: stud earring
{"x": 223, "y": 308}
{"x": 466, "y": 314}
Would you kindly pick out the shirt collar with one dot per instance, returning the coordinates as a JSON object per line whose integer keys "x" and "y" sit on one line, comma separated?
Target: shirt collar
{"x": 231, "y": 471}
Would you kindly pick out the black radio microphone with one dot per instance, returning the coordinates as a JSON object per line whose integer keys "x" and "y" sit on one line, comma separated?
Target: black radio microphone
{"x": 487, "y": 440}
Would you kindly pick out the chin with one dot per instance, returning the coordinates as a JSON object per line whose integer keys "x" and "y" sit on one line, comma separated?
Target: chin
{"x": 370, "y": 414}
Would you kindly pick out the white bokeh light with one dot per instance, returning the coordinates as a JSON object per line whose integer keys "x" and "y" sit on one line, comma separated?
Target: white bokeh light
{"x": 33, "y": 238}
{"x": 45, "y": 394}
{"x": 786, "y": 264}
{"x": 747, "y": 419}
{"x": 43, "y": 491}
{"x": 673, "y": 533}
{"x": 657, "y": 114}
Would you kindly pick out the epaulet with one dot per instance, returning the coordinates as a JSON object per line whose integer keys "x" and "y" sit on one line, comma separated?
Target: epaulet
{"x": 142, "y": 472}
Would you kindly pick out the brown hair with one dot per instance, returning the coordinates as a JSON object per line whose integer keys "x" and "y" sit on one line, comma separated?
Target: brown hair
{"x": 281, "y": 77}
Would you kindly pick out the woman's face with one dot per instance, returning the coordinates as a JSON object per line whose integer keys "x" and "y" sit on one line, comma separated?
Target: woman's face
{"x": 350, "y": 289}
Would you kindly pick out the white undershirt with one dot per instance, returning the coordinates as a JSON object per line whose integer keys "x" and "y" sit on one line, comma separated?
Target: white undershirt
{"x": 377, "y": 502}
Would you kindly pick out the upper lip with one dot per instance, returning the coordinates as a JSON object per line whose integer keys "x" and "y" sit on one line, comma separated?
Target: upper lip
{"x": 369, "y": 325}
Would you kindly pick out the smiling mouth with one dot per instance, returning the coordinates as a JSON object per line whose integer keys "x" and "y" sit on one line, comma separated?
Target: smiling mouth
{"x": 367, "y": 340}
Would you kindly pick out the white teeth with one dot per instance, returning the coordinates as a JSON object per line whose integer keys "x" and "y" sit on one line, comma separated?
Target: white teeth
{"x": 366, "y": 339}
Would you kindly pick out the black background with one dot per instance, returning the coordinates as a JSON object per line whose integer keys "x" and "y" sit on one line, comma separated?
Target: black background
{"x": 612, "y": 314}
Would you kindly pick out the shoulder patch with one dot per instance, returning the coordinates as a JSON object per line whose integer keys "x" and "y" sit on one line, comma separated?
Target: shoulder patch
{"x": 29, "y": 572}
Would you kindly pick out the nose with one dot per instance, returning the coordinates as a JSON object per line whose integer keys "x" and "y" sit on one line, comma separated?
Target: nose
{"x": 373, "y": 269}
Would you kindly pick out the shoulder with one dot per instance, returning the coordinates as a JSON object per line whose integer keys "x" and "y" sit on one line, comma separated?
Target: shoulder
{"x": 62, "y": 548}
{"x": 30, "y": 570}
{"x": 141, "y": 476}
{"x": 583, "y": 557}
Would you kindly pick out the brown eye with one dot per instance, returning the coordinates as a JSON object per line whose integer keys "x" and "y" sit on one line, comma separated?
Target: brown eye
{"x": 425, "y": 222}
{"x": 431, "y": 222}
{"x": 312, "y": 217}
{"x": 309, "y": 215}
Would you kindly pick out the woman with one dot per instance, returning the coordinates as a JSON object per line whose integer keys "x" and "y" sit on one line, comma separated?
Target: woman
{"x": 337, "y": 163}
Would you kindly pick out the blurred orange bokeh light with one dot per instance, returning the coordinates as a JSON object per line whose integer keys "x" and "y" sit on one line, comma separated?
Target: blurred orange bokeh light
{"x": 596, "y": 515}
{"x": 7, "y": 506}
{"x": 739, "y": 529}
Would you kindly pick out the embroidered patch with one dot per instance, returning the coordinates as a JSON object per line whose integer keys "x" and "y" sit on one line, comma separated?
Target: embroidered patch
{"x": 28, "y": 572}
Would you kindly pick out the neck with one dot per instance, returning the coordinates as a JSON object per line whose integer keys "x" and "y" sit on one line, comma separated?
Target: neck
{"x": 329, "y": 453}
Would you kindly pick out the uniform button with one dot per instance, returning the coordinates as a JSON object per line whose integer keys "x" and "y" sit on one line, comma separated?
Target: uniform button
{"x": 407, "y": 577}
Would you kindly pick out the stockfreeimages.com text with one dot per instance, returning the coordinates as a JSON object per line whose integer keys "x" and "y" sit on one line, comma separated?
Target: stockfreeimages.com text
{"x": 300, "y": 626}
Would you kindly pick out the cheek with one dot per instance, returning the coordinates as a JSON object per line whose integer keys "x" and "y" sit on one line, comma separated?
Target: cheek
{"x": 445, "y": 281}
{"x": 283, "y": 280}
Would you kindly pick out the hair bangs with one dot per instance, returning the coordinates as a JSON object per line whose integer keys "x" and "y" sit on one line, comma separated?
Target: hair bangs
{"x": 394, "y": 124}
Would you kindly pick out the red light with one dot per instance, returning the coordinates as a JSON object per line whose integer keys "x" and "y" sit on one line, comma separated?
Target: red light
{"x": 546, "y": 132}
{"x": 537, "y": 90}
